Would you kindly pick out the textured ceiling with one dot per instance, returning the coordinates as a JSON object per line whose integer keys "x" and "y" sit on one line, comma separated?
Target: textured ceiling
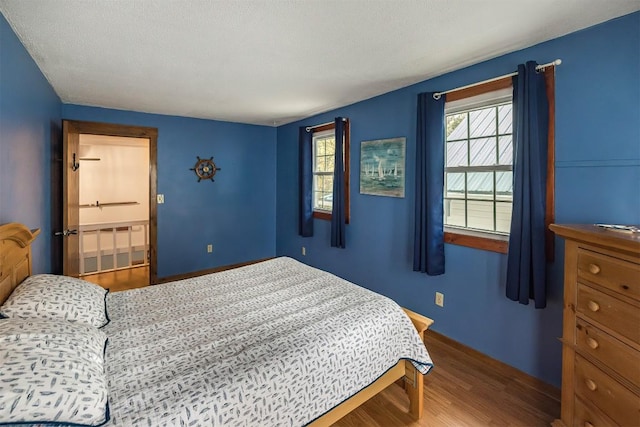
{"x": 274, "y": 61}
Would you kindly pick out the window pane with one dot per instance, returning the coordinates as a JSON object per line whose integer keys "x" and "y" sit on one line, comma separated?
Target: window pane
{"x": 327, "y": 201}
{"x": 504, "y": 186}
{"x": 480, "y": 139}
{"x": 483, "y": 122}
{"x": 505, "y": 150}
{"x": 323, "y": 192}
{"x": 483, "y": 152}
{"x": 454, "y": 212}
{"x": 319, "y": 147}
{"x": 330, "y": 146}
{"x": 455, "y": 185}
{"x": 329, "y": 163}
{"x": 505, "y": 118}
{"x": 480, "y": 215}
{"x": 456, "y": 153}
{"x": 317, "y": 190}
{"x": 480, "y": 185}
{"x": 503, "y": 217}
{"x": 327, "y": 186}
{"x": 456, "y": 126}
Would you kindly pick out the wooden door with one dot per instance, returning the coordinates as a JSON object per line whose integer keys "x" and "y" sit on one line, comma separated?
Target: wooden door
{"x": 70, "y": 200}
{"x": 71, "y": 188}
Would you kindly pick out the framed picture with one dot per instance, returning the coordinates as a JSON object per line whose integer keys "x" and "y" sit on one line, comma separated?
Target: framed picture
{"x": 382, "y": 167}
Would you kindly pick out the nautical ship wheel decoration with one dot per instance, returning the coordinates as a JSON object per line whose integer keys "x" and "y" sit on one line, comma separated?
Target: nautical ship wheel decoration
{"x": 205, "y": 168}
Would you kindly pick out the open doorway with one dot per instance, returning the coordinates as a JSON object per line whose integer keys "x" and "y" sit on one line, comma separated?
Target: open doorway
{"x": 114, "y": 210}
{"x": 109, "y": 227}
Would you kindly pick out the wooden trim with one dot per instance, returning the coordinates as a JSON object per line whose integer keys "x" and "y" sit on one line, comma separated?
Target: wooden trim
{"x": 323, "y": 128}
{"x": 504, "y": 369}
{"x": 153, "y": 208}
{"x": 479, "y": 89}
{"x": 347, "y": 170}
{"x": 70, "y": 200}
{"x": 110, "y": 129}
{"x": 322, "y": 215}
{"x": 477, "y": 242}
{"x": 550, "y": 208}
{"x": 207, "y": 271}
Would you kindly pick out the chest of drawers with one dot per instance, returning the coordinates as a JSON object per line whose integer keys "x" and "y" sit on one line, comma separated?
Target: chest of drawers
{"x": 601, "y": 327}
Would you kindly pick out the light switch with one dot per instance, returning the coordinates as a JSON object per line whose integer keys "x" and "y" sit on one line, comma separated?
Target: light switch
{"x": 160, "y": 198}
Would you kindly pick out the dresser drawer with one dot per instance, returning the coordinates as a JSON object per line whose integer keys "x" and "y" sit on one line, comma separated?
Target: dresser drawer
{"x": 587, "y": 416}
{"x": 609, "y": 351}
{"x": 612, "y": 398}
{"x": 612, "y": 273}
{"x": 611, "y": 312}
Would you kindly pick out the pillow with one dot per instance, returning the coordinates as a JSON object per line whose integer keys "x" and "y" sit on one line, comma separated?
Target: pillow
{"x": 52, "y": 372}
{"x": 48, "y": 296}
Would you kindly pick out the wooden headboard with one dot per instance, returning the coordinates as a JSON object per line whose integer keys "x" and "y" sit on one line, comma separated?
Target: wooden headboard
{"x": 15, "y": 256}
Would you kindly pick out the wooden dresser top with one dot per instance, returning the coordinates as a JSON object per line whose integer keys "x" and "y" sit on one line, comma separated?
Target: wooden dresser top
{"x": 598, "y": 236}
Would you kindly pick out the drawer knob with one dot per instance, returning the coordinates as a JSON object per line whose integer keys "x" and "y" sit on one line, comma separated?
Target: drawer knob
{"x": 593, "y": 306}
{"x": 592, "y": 343}
{"x": 591, "y": 385}
{"x": 588, "y": 424}
{"x": 594, "y": 268}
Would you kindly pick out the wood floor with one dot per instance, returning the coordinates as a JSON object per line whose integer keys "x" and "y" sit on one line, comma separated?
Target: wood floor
{"x": 465, "y": 388}
{"x": 121, "y": 280}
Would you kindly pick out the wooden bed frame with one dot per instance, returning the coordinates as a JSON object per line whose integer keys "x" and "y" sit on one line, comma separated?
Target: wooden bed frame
{"x": 15, "y": 266}
{"x": 15, "y": 256}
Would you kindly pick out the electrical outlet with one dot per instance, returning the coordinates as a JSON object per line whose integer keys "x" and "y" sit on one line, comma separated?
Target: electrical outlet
{"x": 209, "y": 248}
{"x": 304, "y": 251}
{"x": 439, "y": 299}
{"x": 160, "y": 198}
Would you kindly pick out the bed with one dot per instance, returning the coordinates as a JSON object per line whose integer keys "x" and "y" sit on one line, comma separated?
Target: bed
{"x": 269, "y": 344}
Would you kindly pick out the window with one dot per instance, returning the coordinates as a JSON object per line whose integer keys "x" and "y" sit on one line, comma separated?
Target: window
{"x": 324, "y": 144}
{"x": 324, "y": 151}
{"x": 478, "y": 189}
{"x": 478, "y": 192}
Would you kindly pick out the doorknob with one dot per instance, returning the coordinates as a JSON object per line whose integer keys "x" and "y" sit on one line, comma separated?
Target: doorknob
{"x": 65, "y": 233}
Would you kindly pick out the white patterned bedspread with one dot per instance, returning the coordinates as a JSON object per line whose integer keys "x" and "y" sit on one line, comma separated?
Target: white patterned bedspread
{"x": 277, "y": 343}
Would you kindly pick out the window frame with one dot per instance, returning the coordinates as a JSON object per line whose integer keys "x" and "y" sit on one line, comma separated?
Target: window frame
{"x": 499, "y": 242}
{"x": 322, "y": 214}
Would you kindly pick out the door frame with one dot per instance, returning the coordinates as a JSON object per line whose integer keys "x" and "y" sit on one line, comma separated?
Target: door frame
{"x": 110, "y": 129}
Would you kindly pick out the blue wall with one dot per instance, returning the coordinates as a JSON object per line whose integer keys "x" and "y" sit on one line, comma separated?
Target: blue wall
{"x": 29, "y": 128}
{"x": 236, "y": 213}
{"x": 242, "y": 215}
{"x": 597, "y": 179}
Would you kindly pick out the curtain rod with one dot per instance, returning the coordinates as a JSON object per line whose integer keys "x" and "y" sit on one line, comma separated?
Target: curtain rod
{"x": 437, "y": 95}
{"x": 308, "y": 128}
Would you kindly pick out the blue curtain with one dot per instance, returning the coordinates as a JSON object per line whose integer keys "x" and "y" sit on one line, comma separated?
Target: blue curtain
{"x": 305, "y": 187}
{"x": 338, "y": 216}
{"x": 428, "y": 244}
{"x": 526, "y": 261}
